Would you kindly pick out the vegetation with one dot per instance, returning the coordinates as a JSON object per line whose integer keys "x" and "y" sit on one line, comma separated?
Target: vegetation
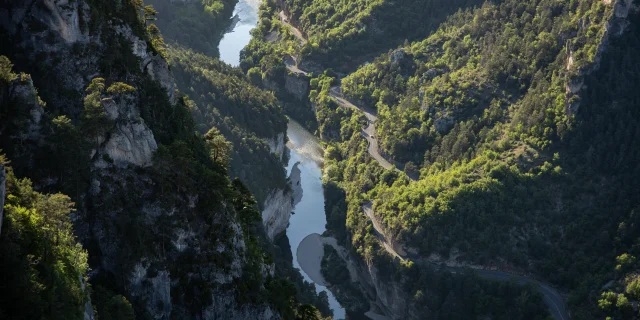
{"x": 249, "y": 118}
{"x": 198, "y": 25}
{"x": 305, "y": 291}
{"x": 352, "y": 30}
{"x": 129, "y": 216}
{"x": 335, "y": 272}
{"x": 515, "y": 169}
{"x": 43, "y": 264}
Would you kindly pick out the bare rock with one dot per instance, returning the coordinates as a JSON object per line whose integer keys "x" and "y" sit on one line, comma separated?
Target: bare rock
{"x": 277, "y": 144}
{"x": 280, "y": 203}
{"x": 130, "y": 141}
{"x": 397, "y": 56}
{"x": 154, "y": 64}
{"x": 443, "y": 124}
{"x": 297, "y": 85}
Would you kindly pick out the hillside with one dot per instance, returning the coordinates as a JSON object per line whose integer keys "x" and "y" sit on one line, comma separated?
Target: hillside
{"x": 89, "y": 109}
{"x": 511, "y": 126}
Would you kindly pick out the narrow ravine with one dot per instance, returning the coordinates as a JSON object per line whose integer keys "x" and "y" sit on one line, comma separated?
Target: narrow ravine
{"x": 309, "y": 218}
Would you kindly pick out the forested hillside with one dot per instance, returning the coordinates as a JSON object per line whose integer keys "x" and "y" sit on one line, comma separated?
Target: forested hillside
{"x": 250, "y": 118}
{"x": 194, "y": 24}
{"x": 517, "y": 122}
{"x": 352, "y": 30}
{"x": 90, "y": 110}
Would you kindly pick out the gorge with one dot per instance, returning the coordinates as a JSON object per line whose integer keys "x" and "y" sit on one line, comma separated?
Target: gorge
{"x": 318, "y": 159}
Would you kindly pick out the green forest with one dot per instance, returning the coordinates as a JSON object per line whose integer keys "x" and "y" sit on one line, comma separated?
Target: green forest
{"x": 518, "y": 117}
{"x": 137, "y": 163}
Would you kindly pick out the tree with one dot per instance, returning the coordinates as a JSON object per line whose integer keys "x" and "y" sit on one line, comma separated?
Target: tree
{"x": 149, "y": 13}
{"x": 607, "y": 300}
{"x": 623, "y": 304}
{"x": 120, "y": 88}
{"x": 220, "y": 147}
{"x": 69, "y": 156}
{"x": 94, "y": 119}
{"x": 118, "y": 308}
{"x": 633, "y": 288}
{"x": 308, "y": 312}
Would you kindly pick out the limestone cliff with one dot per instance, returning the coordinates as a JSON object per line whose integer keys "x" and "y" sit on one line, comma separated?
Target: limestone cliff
{"x": 280, "y": 203}
{"x": 169, "y": 238}
{"x": 297, "y": 85}
{"x": 277, "y": 145}
{"x": 129, "y": 141}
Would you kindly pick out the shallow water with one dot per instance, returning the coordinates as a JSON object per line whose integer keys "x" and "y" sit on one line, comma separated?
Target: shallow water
{"x": 309, "y": 214}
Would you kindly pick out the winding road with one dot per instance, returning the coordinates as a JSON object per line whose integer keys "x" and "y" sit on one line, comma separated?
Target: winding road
{"x": 551, "y": 297}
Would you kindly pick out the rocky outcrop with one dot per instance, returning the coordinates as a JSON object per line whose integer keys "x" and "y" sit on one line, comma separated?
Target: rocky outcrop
{"x": 614, "y": 27}
{"x": 397, "y": 56}
{"x": 297, "y": 85}
{"x": 21, "y": 131}
{"x": 280, "y": 204}
{"x": 224, "y": 306}
{"x": 444, "y": 123}
{"x": 277, "y": 144}
{"x": 153, "y": 63}
{"x": 390, "y": 296}
{"x": 129, "y": 141}
{"x": 3, "y": 192}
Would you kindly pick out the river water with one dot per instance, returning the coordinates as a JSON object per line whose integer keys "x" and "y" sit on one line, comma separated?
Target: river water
{"x": 246, "y": 17}
{"x": 309, "y": 217}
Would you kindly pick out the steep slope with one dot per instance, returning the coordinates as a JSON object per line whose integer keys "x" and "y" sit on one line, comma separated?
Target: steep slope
{"x": 162, "y": 222}
{"x": 250, "y": 118}
{"x": 517, "y": 118}
{"x": 198, "y": 25}
{"x": 498, "y": 110}
{"x": 353, "y": 30}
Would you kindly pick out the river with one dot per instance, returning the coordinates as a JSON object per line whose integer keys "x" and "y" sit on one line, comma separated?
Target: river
{"x": 245, "y": 15}
{"x": 309, "y": 217}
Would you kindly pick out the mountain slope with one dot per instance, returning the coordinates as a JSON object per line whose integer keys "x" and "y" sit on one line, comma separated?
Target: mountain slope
{"x": 162, "y": 222}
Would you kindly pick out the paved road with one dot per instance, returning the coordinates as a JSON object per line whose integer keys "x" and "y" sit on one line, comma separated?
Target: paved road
{"x": 295, "y": 31}
{"x": 292, "y": 65}
{"x": 551, "y": 297}
{"x": 369, "y": 131}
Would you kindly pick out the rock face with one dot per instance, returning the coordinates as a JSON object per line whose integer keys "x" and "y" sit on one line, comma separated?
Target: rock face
{"x": 3, "y": 191}
{"x": 130, "y": 141}
{"x": 23, "y": 130}
{"x": 277, "y": 144}
{"x": 614, "y": 27}
{"x": 280, "y": 203}
{"x": 224, "y": 306}
{"x": 154, "y": 64}
{"x": 397, "y": 56}
{"x": 444, "y": 123}
{"x": 297, "y": 85}
{"x": 144, "y": 228}
{"x": 60, "y": 16}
